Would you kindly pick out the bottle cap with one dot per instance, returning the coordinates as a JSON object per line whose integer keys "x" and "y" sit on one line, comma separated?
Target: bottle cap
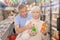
{"x": 33, "y": 29}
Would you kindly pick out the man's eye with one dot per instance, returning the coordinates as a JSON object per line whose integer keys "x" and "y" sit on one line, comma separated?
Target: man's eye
{"x": 33, "y": 12}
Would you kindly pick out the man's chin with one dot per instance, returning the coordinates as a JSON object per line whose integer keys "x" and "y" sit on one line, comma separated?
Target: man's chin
{"x": 25, "y": 16}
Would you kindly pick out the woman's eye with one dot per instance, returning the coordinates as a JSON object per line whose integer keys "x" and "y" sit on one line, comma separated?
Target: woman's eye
{"x": 37, "y": 12}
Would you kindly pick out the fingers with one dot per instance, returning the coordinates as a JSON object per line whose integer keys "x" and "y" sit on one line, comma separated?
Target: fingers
{"x": 30, "y": 22}
{"x": 30, "y": 25}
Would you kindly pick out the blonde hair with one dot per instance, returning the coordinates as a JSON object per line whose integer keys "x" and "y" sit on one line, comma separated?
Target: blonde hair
{"x": 35, "y": 8}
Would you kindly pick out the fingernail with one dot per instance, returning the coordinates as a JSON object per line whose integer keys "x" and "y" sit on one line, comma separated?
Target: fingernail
{"x": 33, "y": 24}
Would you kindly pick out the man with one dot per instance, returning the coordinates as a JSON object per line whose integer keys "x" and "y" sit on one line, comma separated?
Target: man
{"x": 21, "y": 19}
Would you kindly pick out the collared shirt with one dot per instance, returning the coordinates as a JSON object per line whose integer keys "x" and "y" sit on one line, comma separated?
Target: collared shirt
{"x": 19, "y": 20}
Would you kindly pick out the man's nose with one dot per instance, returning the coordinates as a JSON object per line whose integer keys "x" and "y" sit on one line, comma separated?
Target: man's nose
{"x": 24, "y": 12}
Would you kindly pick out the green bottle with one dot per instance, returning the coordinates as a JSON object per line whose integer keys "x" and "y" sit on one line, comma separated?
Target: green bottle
{"x": 34, "y": 29}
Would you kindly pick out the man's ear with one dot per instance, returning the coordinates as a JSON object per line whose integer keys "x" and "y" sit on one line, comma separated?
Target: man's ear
{"x": 19, "y": 11}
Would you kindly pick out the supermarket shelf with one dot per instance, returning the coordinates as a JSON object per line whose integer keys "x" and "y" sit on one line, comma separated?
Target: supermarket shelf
{"x": 55, "y": 11}
{"x": 53, "y": 28}
{"x": 52, "y": 4}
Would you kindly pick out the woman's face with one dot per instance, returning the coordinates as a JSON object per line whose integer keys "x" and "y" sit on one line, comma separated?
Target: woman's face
{"x": 36, "y": 14}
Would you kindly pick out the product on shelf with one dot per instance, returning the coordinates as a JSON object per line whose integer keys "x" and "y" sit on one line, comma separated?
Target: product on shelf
{"x": 55, "y": 35}
{"x": 55, "y": 9}
{"x": 55, "y": 12}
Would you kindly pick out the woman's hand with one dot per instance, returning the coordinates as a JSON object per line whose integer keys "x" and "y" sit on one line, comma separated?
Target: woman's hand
{"x": 30, "y": 25}
{"x": 32, "y": 33}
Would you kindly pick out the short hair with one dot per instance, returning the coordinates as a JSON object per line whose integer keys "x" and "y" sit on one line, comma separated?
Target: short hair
{"x": 35, "y": 8}
{"x": 21, "y": 6}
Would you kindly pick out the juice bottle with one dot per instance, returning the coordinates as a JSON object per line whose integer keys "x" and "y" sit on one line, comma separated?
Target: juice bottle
{"x": 43, "y": 27}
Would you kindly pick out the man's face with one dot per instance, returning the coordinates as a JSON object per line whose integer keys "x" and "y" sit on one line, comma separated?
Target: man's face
{"x": 23, "y": 12}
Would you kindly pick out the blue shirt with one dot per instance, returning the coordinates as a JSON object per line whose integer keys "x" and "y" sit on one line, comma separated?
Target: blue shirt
{"x": 19, "y": 20}
{"x": 21, "y": 1}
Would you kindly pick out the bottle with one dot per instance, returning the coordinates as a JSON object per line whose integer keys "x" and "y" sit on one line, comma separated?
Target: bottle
{"x": 43, "y": 28}
{"x": 34, "y": 29}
